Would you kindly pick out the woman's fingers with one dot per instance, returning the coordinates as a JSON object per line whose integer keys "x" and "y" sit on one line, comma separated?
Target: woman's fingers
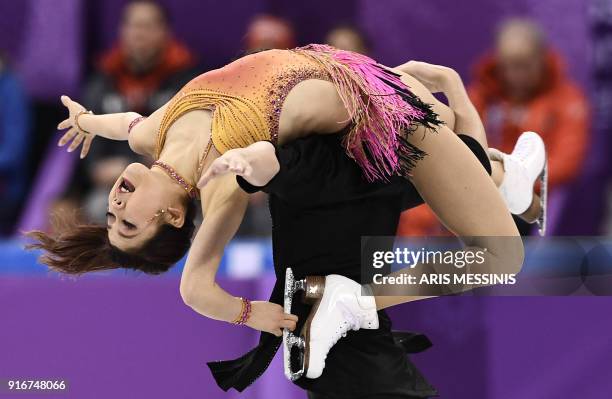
{"x": 288, "y": 321}
{"x": 289, "y": 316}
{"x": 219, "y": 167}
{"x": 67, "y": 137}
{"x": 290, "y": 324}
{"x": 278, "y": 332}
{"x": 66, "y": 101}
{"x": 206, "y": 177}
{"x": 229, "y": 162}
{"x": 86, "y": 146}
{"x": 247, "y": 171}
{"x": 237, "y": 165}
{"x": 76, "y": 142}
{"x": 73, "y": 106}
{"x": 65, "y": 124}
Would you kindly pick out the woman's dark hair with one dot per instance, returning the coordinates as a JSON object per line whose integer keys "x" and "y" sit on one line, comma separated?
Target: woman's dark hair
{"x": 77, "y": 248}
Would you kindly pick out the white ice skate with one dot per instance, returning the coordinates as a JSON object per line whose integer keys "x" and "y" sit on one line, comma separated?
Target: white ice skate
{"x": 338, "y": 306}
{"x": 525, "y": 165}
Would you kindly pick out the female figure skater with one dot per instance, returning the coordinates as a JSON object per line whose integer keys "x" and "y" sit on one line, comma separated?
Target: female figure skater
{"x": 276, "y": 95}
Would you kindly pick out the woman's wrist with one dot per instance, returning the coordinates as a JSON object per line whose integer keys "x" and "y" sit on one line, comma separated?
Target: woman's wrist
{"x": 78, "y": 118}
{"x": 261, "y": 156}
{"x": 245, "y": 312}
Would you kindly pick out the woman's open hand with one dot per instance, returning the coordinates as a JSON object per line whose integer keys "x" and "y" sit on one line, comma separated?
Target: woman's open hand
{"x": 257, "y": 164}
{"x": 271, "y": 318}
{"x": 74, "y": 134}
{"x": 233, "y": 161}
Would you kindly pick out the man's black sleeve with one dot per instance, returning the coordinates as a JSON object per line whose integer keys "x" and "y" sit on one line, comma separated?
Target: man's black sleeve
{"x": 308, "y": 168}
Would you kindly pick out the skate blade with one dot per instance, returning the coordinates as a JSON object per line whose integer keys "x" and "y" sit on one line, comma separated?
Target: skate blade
{"x": 290, "y": 340}
{"x": 312, "y": 288}
{"x": 541, "y": 221}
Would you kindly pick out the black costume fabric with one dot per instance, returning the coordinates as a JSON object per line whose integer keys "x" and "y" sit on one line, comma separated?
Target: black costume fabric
{"x": 321, "y": 206}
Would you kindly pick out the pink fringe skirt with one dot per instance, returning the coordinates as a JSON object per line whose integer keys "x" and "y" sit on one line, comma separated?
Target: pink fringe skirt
{"x": 382, "y": 109}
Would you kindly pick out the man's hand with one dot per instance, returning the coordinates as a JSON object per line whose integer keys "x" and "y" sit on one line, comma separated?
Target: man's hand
{"x": 270, "y": 317}
{"x": 436, "y": 78}
{"x": 257, "y": 164}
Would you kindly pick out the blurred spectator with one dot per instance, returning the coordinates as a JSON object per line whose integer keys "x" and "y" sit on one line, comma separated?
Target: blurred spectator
{"x": 348, "y": 37}
{"x": 145, "y": 68}
{"x": 268, "y": 32}
{"x": 522, "y": 86}
{"x": 140, "y": 73}
{"x": 14, "y": 140}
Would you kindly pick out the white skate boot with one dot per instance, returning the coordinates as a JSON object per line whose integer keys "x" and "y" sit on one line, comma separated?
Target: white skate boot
{"x": 338, "y": 306}
{"x": 523, "y": 167}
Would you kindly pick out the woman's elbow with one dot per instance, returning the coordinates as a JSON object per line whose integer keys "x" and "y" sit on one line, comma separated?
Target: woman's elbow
{"x": 193, "y": 296}
{"x": 188, "y": 294}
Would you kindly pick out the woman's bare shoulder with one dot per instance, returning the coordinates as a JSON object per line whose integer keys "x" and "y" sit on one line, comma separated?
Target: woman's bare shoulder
{"x": 143, "y": 138}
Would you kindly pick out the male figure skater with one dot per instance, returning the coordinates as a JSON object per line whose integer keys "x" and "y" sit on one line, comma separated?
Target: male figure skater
{"x": 321, "y": 218}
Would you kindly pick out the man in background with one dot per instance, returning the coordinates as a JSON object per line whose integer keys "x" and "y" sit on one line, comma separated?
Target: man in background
{"x": 266, "y": 31}
{"x": 348, "y": 37}
{"x": 145, "y": 68}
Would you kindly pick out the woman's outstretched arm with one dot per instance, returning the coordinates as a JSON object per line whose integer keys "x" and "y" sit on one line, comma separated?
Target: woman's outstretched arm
{"x": 83, "y": 127}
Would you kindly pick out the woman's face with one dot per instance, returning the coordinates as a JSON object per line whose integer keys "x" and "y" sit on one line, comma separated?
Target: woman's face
{"x": 134, "y": 204}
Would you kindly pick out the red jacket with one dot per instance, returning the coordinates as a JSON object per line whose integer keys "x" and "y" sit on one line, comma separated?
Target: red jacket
{"x": 136, "y": 88}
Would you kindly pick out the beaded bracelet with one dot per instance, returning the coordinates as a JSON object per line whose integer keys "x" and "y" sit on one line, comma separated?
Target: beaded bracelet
{"x": 135, "y": 122}
{"x": 245, "y": 313}
{"x": 76, "y": 121}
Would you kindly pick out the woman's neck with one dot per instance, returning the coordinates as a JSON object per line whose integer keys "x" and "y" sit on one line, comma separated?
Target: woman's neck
{"x": 182, "y": 157}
